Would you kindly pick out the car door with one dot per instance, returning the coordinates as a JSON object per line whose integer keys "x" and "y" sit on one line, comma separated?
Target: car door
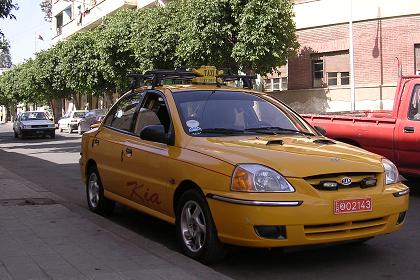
{"x": 109, "y": 143}
{"x": 146, "y": 162}
{"x": 408, "y": 141}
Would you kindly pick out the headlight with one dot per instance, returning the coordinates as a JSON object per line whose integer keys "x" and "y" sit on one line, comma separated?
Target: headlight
{"x": 258, "y": 178}
{"x": 391, "y": 172}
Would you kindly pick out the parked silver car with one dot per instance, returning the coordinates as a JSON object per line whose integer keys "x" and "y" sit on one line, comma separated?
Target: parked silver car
{"x": 33, "y": 124}
{"x": 94, "y": 116}
{"x": 70, "y": 121}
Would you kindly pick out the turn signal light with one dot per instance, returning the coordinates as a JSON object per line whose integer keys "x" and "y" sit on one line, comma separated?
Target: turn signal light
{"x": 242, "y": 180}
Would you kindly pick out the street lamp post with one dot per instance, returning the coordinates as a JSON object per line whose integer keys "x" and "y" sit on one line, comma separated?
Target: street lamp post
{"x": 351, "y": 53}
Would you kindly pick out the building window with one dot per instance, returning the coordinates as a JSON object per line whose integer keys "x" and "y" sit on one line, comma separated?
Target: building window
{"x": 267, "y": 85}
{"x": 59, "y": 23}
{"x": 417, "y": 59}
{"x": 330, "y": 69}
{"x": 318, "y": 72}
{"x": 275, "y": 84}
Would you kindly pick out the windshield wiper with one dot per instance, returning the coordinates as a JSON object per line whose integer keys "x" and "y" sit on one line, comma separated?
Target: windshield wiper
{"x": 220, "y": 130}
{"x": 276, "y": 129}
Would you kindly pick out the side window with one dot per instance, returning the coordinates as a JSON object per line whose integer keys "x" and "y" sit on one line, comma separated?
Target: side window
{"x": 122, "y": 116}
{"x": 152, "y": 112}
{"x": 414, "y": 111}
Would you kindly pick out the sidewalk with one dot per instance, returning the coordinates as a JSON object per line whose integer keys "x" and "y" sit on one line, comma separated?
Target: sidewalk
{"x": 43, "y": 237}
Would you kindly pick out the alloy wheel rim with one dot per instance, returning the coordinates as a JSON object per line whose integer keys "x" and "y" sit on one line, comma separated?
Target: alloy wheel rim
{"x": 93, "y": 190}
{"x": 193, "y": 226}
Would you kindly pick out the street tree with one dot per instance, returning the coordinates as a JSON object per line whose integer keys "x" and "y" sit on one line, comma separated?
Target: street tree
{"x": 113, "y": 44}
{"x": 5, "y": 57}
{"x": 156, "y": 35}
{"x": 48, "y": 81}
{"x": 81, "y": 66}
{"x": 46, "y": 8}
{"x": 250, "y": 35}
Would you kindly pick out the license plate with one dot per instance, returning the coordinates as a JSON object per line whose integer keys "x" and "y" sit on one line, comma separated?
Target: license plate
{"x": 352, "y": 205}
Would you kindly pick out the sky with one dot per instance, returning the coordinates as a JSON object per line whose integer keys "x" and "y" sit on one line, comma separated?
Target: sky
{"x": 23, "y": 32}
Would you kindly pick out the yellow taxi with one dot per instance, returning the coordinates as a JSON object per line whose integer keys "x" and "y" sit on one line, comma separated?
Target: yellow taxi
{"x": 230, "y": 165}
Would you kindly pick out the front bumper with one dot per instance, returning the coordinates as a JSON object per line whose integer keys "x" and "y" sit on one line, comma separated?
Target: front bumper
{"x": 38, "y": 131}
{"x": 310, "y": 222}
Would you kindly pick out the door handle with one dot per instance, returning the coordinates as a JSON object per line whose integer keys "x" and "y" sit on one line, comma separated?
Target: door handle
{"x": 128, "y": 152}
{"x": 95, "y": 142}
{"x": 408, "y": 129}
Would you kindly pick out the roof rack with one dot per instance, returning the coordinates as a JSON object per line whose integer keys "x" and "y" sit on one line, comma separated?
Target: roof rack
{"x": 155, "y": 77}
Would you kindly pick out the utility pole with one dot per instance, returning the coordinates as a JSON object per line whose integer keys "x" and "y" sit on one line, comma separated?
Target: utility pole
{"x": 351, "y": 52}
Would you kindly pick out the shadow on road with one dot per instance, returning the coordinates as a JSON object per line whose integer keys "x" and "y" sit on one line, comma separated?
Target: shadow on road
{"x": 388, "y": 256}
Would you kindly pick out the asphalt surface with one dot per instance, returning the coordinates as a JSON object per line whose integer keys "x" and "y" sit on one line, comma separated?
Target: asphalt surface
{"x": 53, "y": 164}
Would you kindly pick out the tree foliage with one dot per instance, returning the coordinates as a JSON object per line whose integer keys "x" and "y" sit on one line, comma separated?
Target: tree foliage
{"x": 46, "y": 8}
{"x": 253, "y": 36}
{"x": 5, "y": 57}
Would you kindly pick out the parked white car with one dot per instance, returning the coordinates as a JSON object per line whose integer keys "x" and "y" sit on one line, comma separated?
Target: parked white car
{"x": 70, "y": 121}
{"x": 33, "y": 124}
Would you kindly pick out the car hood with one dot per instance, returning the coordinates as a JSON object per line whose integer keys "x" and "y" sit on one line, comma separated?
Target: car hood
{"x": 293, "y": 156}
{"x": 37, "y": 122}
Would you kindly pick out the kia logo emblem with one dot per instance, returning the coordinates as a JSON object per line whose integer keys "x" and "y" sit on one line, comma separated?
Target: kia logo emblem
{"x": 346, "y": 181}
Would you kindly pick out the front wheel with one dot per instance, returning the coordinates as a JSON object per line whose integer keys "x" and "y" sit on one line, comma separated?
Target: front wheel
{"x": 97, "y": 202}
{"x": 195, "y": 228}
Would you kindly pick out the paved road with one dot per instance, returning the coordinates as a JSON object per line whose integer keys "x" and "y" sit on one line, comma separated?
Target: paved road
{"x": 53, "y": 164}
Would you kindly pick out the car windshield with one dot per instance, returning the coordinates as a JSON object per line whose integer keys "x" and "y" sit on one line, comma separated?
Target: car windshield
{"x": 32, "y": 116}
{"x": 79, "y": 114}
{"x": 236, "y": 112}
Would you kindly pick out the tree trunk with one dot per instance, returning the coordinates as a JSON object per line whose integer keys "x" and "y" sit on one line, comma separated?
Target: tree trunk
{"x": 75, "y": 101}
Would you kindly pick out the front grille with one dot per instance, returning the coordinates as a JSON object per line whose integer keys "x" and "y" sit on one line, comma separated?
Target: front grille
{"x": 351, "y": 228}
{"x": 356, "y": 178}
{"x": 38, "y": 126}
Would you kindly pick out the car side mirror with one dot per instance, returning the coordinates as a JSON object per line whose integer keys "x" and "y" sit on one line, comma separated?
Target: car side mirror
{"x": 320, "y": 130}
{"x": 154, "y": 133}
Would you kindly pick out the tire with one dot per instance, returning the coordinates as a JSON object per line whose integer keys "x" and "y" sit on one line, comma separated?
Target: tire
{"x": 69, "y": 130}
{"x": 15, "y": 134}
{"x": 22, "y": 135}
{"x": 79, "y": 129}
{"x": 96, "y": 200}
{"x": 52, "y": 135}
{"x": 197, "y": 236}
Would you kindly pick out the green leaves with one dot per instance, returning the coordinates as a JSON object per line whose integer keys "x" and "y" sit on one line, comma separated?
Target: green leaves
{"x": 254, "y": 36}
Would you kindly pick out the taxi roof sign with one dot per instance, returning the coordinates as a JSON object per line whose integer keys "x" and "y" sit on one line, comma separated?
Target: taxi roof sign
{"x": 207, "y": 75}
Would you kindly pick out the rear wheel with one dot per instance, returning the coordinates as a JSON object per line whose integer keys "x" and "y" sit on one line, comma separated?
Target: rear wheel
{"x": 97, "y": 202}
{"x": 195, "y": 228}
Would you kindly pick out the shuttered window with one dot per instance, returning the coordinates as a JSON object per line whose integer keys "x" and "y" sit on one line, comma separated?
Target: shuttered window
{"x": 331, "y": 69}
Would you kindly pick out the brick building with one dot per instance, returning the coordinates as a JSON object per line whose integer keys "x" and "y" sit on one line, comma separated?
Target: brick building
{"x": 384, "y": 32}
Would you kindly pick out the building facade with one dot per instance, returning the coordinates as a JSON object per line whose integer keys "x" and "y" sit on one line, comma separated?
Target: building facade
{"x": 72, "y": 16}
{"x": 386, "y": 42}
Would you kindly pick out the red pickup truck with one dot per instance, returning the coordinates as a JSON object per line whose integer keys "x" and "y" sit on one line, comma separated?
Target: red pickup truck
{"x": 394, "y": 134}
